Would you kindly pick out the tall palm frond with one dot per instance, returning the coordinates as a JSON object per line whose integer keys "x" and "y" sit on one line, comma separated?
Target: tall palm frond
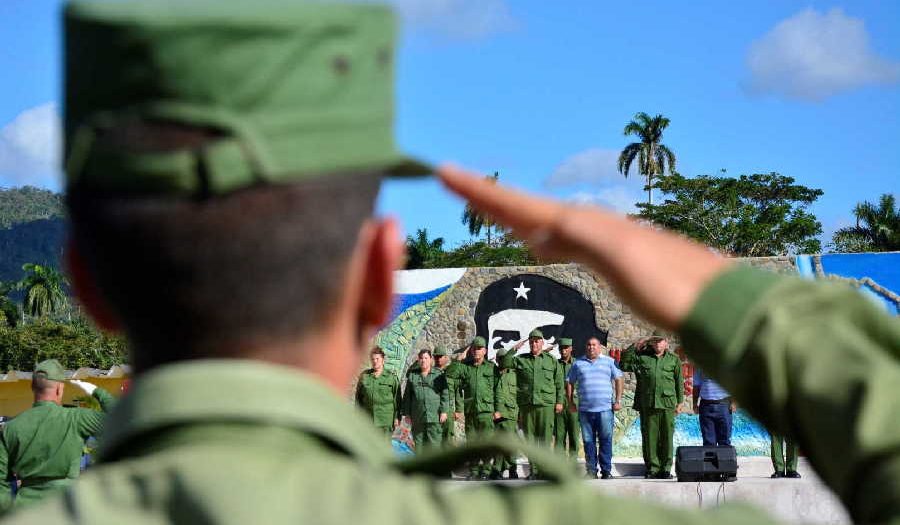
{"x": 653, "y": 157}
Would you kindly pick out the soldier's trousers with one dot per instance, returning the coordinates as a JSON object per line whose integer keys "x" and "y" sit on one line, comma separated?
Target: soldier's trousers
{"x": 779, "y": 462}
{"x": 479, "y": 425}
{"x": 505, "y": 461}
{"x": 537, "y": 424}
{"x": 567, "y": 433}
{"x": 427, "y": 435}
{"x": 657, "y": 433}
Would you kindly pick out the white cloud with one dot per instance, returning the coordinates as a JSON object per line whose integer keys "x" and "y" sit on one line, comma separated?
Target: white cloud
{"x": 30, "y": 148}
{"x": 812, "y": 56}
{"x": 620, "y": 198}
{"x": 591, "y": 166}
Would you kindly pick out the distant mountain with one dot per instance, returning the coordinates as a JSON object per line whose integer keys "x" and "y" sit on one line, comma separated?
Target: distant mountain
{"x": 25, "y": 204}
{"x": 32, "y": 229}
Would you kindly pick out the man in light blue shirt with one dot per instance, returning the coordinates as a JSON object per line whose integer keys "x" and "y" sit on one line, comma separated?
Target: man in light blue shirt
{"x": 594, "y": 375}
{"x": 715, "y": 407}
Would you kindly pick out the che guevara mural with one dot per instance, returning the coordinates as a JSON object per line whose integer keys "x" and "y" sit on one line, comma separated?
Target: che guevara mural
{"x": 511, "y": 307}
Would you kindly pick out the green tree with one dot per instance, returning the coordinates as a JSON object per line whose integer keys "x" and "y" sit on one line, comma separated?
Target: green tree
{"x": 422, "y": 252}
{"x": 476, "y": 221}
{"x": 9, "y": 312}
{"x": 653, "y": 157}
{"x": 75, "y": 344}
{"x": 506, "y": 251}
{"x": 44, "y": 290}
{"x": 877, "y": 228}
{"x": 751, "y": 216}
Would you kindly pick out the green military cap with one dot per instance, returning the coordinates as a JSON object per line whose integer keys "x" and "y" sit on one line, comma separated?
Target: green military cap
{"x": 565, "y": 341}
{"x": 536, "y": 334}
{"x": 440, "y": 351}
{"x": 479, "y": 342}
{"x": 290, "y": 90}
{"x": 51, "y": 369}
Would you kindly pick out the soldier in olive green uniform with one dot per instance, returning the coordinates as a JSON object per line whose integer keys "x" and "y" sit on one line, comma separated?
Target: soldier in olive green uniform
{"x": 541, "y": 391}
{"x": 785, "y": 465}
{"x": 447, "y": 364}
{"x": 278, "y": 106}
{"x": 378, "y": 393}
{"x": 425, "y": 402}
{"x": 477, "y": 377}
{"x": 506, "y": 418}
{"x": 658, "y": 396}
{"x": 568, "y": 428}
{"x": 42, "y": 446}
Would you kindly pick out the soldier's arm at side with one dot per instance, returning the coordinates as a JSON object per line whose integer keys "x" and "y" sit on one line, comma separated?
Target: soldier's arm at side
{"x": 358, "y": 395}
{"x": 5, "y": 494}
{"x": 679, "y": 385}
{"x": 397, "y": 399}
{"x": 560, "y": 381}
{"x": 815, "y": 361}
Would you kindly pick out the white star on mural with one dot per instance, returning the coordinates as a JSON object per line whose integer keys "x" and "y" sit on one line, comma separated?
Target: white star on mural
{"x": 521, "y": 291}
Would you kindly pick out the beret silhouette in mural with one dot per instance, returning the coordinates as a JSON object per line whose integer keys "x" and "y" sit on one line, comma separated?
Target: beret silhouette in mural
{"x": 509, "y": 308}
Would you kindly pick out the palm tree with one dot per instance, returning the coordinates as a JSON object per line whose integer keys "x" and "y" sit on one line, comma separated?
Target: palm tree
{"x": 44, "y": 290}
{"x": 421, "y": 251}
{"x": 9, "y": 312}
{"x": 652, "y": 155}
{"x": 877, "y": 228}
{"x": 476, "y": 221}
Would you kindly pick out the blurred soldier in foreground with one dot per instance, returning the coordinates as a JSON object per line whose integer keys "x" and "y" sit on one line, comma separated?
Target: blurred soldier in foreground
{"x": 228, "y": 153}
{"x": 658, "y": 396}
{"x": 378, "y": 393}
{"x": 42, "y": 446}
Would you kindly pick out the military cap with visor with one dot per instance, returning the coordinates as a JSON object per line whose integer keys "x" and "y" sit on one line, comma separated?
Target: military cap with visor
{"x": 565, "y": 341}
{"x": 536, "y": 334}
{"x": 479, "y": 342}
{"x": 50, "y": 369}
{"x": 292, "y": 91}
{"x": 440, "y": 351}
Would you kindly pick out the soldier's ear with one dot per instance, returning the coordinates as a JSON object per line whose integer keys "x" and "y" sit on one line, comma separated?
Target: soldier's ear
{"x": 86, "y": 291}
{"x": 385, "y": 254}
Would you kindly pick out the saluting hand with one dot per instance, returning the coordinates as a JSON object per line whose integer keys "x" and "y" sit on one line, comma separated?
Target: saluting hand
{"x": 84, "y": 385}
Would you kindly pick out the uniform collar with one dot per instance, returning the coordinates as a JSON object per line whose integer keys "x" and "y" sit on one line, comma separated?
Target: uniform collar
{"x": 239, "y": 391}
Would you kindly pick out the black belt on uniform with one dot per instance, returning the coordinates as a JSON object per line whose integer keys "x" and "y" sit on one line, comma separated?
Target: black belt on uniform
{"x": 723, "y": 401}
{"x": 30, "y": 482}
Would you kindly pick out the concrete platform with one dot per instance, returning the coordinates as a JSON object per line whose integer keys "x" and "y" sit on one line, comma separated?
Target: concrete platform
{"x": 805, "y": 500}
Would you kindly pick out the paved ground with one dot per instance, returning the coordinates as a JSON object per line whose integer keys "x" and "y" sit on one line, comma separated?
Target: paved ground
{"x": 804, "y": 500}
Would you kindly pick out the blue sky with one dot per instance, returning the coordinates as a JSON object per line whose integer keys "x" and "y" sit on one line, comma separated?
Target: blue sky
{"x": 541, "y": 93}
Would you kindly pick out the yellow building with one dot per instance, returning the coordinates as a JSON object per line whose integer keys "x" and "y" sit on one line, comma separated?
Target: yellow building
{"x": 15, "y": 387}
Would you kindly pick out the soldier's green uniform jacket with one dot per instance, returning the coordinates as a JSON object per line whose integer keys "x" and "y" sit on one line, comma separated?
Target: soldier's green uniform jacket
{"x": 43, "y": 447}
{"x": 425, "y": 397}
{"x": 476, "y": 385}
{"x": 452, "y": 371}
{"x": 379, "y": 396}
{"x": 506, "y": 393}
{"x": 182, "y": 448}
{"x": 565, "y": 367}
{"x": 660, "y": 384}
{"x": 540, "y": 380}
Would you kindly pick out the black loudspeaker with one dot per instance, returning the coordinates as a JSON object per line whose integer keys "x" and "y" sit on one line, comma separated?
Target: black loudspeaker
{"x": 705, "y": 463}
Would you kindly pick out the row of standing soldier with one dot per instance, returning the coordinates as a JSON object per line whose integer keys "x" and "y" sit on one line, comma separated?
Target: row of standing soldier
{"x": 533, "y": 390}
